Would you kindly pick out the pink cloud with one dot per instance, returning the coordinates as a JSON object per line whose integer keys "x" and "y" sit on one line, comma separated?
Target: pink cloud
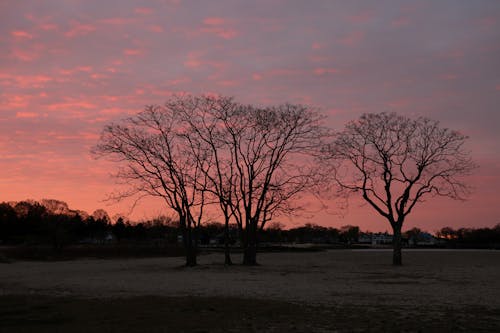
{"x": 26, "y": 115}
{"x": 214, "y": 21}
{"x": 179, "y": 80}
{"x": 72, "y": 71}
{"x": 21, "y": 34}
{"x": 132, "y": 52}
{"x": 14, "y": 101}
{"x": 257, "y": 77}
{"x": 70, "y": 104}
{"x": 192, "y": 61}
{"x": 228, "y": 83}
{"x": 317, "y": 46}
{"x": 155, "y": 28}
{"x": 79, "y": 29}
{"x": 218, "y": 27}
{"x": 97, "y": 76}
{"x": 24, "y": 54}
{"x": 143, "y": 11}
{"x": 26, "y": 81}
{"x": 117, "y": 111}
{"x": 221, "y": 32}
{"x": 497, "y": 88}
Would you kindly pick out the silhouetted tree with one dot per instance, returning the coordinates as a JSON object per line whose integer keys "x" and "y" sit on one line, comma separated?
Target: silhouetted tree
{"x": 414, "y": 235}
{"x": 394, "y": 162}
{"x": 157, "y": 159}
{"x": 349, "y": 234}
{"x": 205, "y": 116}
{"x": 271, "y": 151}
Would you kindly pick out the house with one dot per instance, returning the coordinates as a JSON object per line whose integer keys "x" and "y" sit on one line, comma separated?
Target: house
{"x": 381, "y": 238}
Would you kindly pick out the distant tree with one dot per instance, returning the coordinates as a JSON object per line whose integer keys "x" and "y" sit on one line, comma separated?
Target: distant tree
{"x": 8, "y": 221}
{"x": 119, "y": 229}
{"x": 447, "y": 233}
{"x": 394, "y": 162}
{"x": 349, "y": 233}
{"x": 414, "y": 235}
{"x": 101, "y": 215}
{"x": 54, "y": 206}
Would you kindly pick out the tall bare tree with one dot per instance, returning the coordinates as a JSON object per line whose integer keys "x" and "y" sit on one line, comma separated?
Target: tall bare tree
{"x": 253, "y": 162}
{"x": 157, "y": 160}
{"x": 261, "y": 158}
{"x": 271, "y": 151}
{"x": 203, "y": 117}
{"x": 394, "y": 162}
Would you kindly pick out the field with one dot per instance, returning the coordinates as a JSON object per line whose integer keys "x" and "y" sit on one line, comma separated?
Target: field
{"x": 330, "y": 291}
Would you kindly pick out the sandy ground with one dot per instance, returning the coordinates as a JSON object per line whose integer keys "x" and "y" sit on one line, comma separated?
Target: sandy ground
{"x": 364, "y": 277}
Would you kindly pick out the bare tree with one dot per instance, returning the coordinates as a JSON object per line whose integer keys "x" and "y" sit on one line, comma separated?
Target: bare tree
{"x": 157, "y": 160}
{"x": 203, "y": 117}
{"x": 252, "y": 162}
{"x": 394, "y": 162}
{"x": 261, "y": 159}
{"x": 270, "y": 151}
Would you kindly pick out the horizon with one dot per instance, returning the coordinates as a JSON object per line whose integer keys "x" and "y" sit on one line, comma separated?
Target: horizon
{"x": 72, "y": 67}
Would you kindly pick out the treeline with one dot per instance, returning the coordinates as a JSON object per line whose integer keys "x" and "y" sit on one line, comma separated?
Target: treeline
{"x": 53, "y": 223}
{"x": 471, "y": 237}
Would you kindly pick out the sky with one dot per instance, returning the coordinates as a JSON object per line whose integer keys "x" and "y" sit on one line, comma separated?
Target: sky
{"x": 69, "y": 67}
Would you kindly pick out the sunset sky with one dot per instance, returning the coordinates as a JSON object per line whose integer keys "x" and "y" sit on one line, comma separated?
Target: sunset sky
{"x": 69, "y": 67}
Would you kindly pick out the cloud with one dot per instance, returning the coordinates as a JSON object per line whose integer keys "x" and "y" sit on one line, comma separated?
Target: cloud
{"x": 219, "y": 27}
{"x": 79, "y": 29}
{"x": 26, "y": 115}
{"x": 132, "y": 52}
{"x": 192, "y": 60}
{"x": 24, "y": 81}
{"x": 143, "y": 11}
{"x": 21, "y": 34}
{"x": 214, "y": 21}
{"x": 155, "y": 28}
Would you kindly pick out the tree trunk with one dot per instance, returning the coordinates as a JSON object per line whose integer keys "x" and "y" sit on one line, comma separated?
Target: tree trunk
{"x": 189, "y": 245}
{"x": 397, "y": 259}
{"x": 250, "y": 247}
{"x": 191, "y": 256}
{"x": 227, "y": 249}
{"x": 250, "y": 255}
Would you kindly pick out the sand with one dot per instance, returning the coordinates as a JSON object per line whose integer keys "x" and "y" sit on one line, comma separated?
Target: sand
{"x": 338, "y": 277}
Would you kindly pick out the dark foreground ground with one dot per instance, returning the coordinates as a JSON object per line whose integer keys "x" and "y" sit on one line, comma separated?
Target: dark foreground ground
{"x": 333, "y": 291}
{"x": 219, "y": 314}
